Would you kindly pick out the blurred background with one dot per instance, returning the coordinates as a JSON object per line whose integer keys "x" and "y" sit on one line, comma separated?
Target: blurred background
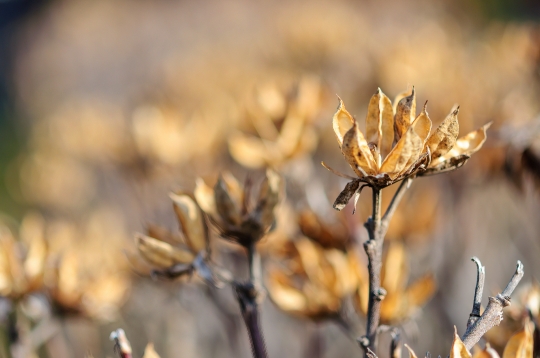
{"x": 107, "y": 106}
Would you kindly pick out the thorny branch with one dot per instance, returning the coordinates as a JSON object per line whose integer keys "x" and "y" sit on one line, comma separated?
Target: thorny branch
{"x": 377, "y": 228}
{"x": 492, "y": 315}
{"x": 248, "y": 295}
{"x": 480, "y": 278}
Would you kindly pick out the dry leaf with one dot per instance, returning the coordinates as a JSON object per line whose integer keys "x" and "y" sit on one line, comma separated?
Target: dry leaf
{"x": 520, "y": 344}
{"x": 192, "y": 224}
{"x": 373, "y": 119}
{"x": 411, "y": 352}
{"x": 161, "y": 253}
{"x": 487, "y": 352}
{"x": 342, "y": 122}
{"x": 458, "y": 349}
{"x": 357, "y": 153}
{"x": 150, "y": 352}
{"x": 445, "y": 136}
{"x": 405, "y": 114}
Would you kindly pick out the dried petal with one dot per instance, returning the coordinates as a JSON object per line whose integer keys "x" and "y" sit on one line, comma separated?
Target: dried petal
{"x": 357, "y": 153}
{"x": 284, "y": 294}
{"x": 373, "y": 119}
{"x": 342, "y": 122}
{"x": 422, "y": 125}
{"x": 249, "y": 151}
{"x": 447, "y": 165}
{"x": 387, "y": 126}
{"x": 32, "y": 233}
{"x": 204, "y": 195}
{"x": 268, "y": 198}
{"x": 487, "y": 352}
{"x": 192, "y": 225}
{"x": 520, "y": 344}
{"x": 227, "y": 207}
{"x": 407, "y": 149}
{"x": 161, "y": 253}
{"x": 405, "y": 114}
{"x": 346, "y": 194}
{"x": 470, "y": 143}
{"x": 291, "y": 132}
{"x": 150, "y": 352}
{"x": 411, "y": 352}
{"x": 421, "y": 291}
{"x": 445, "y": 136}
{"x": 395, "y": 270}
{"x": 458, "y": 348}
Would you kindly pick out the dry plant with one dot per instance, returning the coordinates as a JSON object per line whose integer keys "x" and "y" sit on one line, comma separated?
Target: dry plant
{"x": 316, "y": 271}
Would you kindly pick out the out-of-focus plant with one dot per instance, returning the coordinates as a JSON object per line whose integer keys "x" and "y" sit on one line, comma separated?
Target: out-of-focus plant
{"x": 240, "y": 218}
{"x": 47, "y": 259}
{"x": 402, "y": 300}
{"x": 281, "y": 123}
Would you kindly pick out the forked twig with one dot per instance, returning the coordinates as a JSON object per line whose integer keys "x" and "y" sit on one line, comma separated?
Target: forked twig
{"x": 493, "y": 313}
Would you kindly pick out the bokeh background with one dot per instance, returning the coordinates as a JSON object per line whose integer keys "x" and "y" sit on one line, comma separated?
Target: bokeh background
{"x": 107, "y": 106}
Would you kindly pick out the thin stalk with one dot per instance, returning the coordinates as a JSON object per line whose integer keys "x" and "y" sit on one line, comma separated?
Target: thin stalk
{"x": 373, "y": 249}
{"x": 247, "y": 295}
{"x": 377, "y": 227}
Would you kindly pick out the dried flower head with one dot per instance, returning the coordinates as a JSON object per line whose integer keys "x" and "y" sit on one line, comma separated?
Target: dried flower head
{"x": 312, "y": 281}
{"x": 231, "y": 209}
{"x": 184, "y": 252}
{"x": 282, "y": 124}
{"x": 398, "y": 144}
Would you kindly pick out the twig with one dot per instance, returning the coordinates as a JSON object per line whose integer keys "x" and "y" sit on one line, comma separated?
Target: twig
{"x": 121, "y": 343}
{"x": 373, "y": 249}
{"x": 493, "y": 314}
{"x": 377, "y": 228}
{"x": 477, "y": 303}
{"x": 248, "y": 295}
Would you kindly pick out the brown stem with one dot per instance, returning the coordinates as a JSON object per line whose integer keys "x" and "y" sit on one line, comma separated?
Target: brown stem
{"x": 373, "y": 249}
{"x": 492, "y": 315}
{"x": 377, "y": 227}
{"x": 247, "y": 295}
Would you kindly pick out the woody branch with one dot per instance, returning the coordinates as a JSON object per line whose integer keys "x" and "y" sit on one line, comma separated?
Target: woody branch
{"x": 492, "y": 315}
{"x": 248, "y": 295}
{"x": 377, "y": 227}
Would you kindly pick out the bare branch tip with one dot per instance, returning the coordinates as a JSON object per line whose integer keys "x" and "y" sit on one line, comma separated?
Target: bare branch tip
{"x": 519, "y": 268}
{"x": 476, "y": 260}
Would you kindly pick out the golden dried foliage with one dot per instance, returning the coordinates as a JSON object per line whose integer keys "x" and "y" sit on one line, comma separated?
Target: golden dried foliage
{"x": 164, "y": 249}
{"x": 402, "y": 300}
{"x": 398, "y": 143}
{"x": 150, "y": 352}
{"x": 311, "y": 280}
{"x": 239, "y": 217}
{"x": 282, "y": 124}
